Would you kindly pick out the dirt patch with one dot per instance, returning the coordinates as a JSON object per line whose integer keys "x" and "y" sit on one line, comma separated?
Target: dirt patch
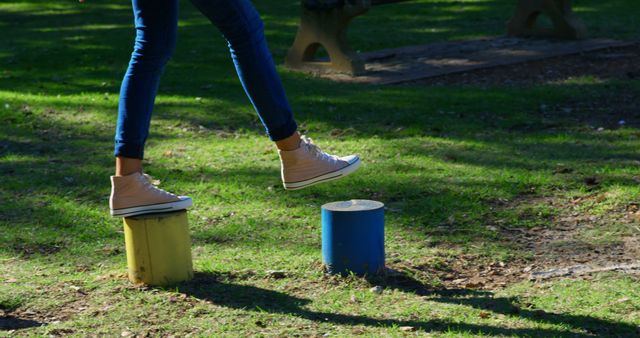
{"x": 567, "y": 241}
{"x": 420, "y": 63}
{"x": 26, "y": 249}
{"x": 603, "y": 110}
{"x": 613, "y": 63}
{"x": 564, "y": 242}
{"x": 74, "y": 300}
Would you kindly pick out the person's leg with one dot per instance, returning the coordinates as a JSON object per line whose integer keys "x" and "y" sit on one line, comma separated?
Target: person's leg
{"x": 131, "y": 191}
{"x": 156, "y": 25}
{"x": 242, "y": 27}
{"x": 303, "y": 164}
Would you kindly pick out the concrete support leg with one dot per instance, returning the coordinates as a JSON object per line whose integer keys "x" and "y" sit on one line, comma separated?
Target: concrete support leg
{"x": 565, "y": 24}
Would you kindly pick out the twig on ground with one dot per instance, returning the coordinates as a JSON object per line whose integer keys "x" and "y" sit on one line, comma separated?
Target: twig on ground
{"x": 578, "y": 270}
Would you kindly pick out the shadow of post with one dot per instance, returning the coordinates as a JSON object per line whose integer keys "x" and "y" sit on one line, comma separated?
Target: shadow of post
{"x": 508, "y": 306}
{"x": 9, "y": 322}
{"x": 210, "y": 287}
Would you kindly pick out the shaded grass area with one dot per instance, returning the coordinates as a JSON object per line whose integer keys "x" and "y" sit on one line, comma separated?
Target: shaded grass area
{"x": 443, "y": 160}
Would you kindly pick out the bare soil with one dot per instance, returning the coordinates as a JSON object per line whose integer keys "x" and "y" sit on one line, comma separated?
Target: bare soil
{"x": 563, "y": 243}
{"x": 612, "y": 63}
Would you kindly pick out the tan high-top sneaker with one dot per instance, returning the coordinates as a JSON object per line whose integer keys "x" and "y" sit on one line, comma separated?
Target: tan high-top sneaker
{"x": 308, "y": 165}
{"x": 135, "y": 195}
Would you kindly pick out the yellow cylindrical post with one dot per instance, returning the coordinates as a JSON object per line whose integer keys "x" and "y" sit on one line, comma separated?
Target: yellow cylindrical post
{"x": 158, "y": 248}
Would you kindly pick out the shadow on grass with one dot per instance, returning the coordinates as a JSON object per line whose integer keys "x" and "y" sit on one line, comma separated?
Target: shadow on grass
{"x": 106, "y": 29}
{"x": 8, "y": 323}
{"x": 213, "y": 288}
{"x": 88, "y": 45}
{"x": 426, "y": 198}
{"x": 508, "y": 306}
{"x": 50, "y": 168}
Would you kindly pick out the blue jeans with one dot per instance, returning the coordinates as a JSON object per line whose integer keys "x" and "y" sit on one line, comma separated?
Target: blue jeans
{"x": 156, "y": 23}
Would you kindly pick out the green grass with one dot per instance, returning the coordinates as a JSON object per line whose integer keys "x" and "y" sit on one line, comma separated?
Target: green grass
{"x": 446, "y": 161}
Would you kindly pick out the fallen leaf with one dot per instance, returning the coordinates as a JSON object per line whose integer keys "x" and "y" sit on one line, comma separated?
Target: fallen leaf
{"x": 376, "y": 289}
{"x": 591, "y": 180}
{"x": 474, "y": 284}
{"x": 562, "y": 170}
{"x": 277, "y": 274}
{"x": 357, "y": 330}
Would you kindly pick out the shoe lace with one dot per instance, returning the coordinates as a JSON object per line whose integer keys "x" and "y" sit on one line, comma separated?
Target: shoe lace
{"x": 313, "y": 149}
{"x": 150, "y": 185}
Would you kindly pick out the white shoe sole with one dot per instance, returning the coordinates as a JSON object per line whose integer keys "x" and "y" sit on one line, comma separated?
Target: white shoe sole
{"x": 183, "y": 203}
{"x": 334, "y": 175}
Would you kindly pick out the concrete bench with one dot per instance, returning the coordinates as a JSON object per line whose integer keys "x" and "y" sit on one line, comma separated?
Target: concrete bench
{"x": 325, "y": 22}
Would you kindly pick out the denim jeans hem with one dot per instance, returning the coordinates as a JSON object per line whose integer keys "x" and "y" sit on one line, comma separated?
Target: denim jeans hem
{"x": 283, "y": 132}
{"x": 129, "y": 150}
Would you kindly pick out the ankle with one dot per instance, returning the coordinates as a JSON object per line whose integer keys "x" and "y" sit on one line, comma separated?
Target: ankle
{"x": 290, "y": 143}
{"x": 126, "y": 166}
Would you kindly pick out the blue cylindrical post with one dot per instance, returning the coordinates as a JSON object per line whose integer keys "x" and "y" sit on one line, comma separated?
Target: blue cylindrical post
{"x": 353, "y": 237}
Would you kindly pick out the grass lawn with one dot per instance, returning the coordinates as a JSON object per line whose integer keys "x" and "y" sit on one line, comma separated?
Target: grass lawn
{"x": 481, "y": 184}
